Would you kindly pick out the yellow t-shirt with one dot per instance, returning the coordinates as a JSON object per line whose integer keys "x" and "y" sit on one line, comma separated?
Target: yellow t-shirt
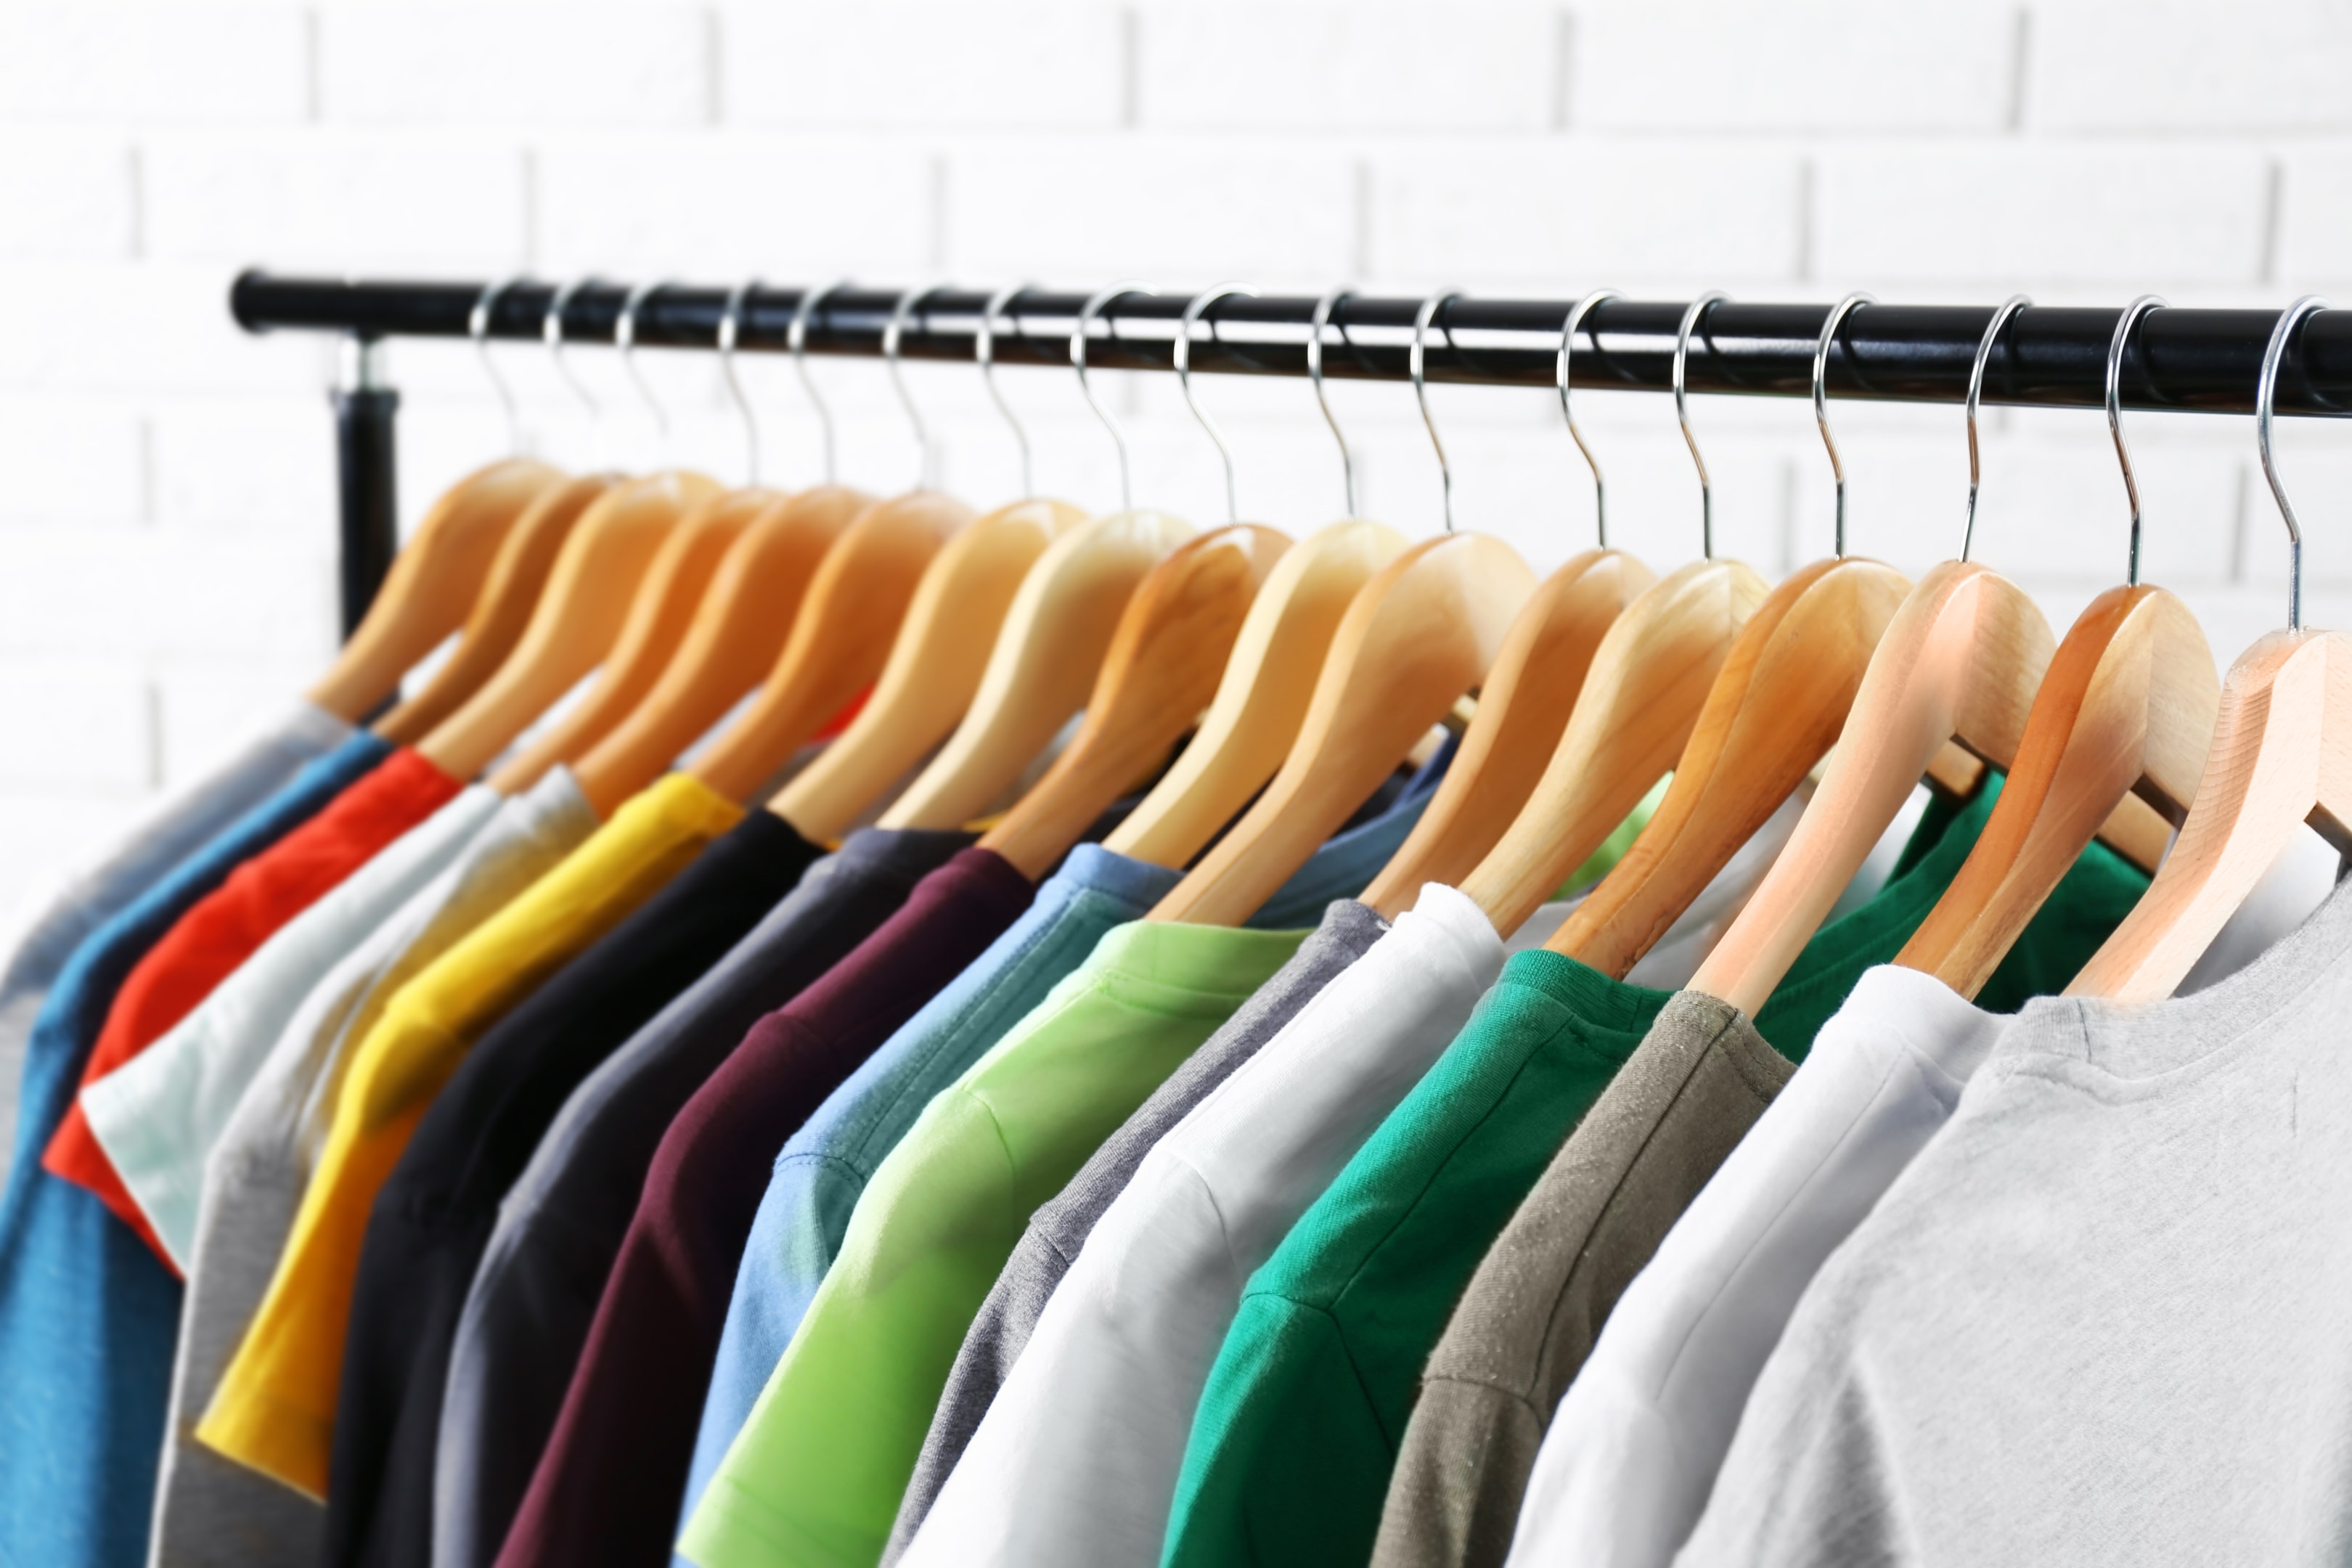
{"x": 275, "y": 1408}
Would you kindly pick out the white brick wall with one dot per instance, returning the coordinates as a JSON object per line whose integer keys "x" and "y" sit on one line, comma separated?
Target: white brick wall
{"x": 166, "y": 523}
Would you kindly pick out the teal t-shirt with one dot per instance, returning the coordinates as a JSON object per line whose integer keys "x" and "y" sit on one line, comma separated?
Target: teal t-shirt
{"x": 1298, "y": 1427}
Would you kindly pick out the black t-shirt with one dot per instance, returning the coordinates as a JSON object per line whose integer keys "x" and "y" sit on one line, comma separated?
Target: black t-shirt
{"x": 433, "y": 1217}
{"x": 531, "y": 1307}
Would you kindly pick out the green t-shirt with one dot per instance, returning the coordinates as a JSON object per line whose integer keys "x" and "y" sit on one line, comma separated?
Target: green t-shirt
{"x": 815, "y": 1474}
{"x": 1298, "y": 1426}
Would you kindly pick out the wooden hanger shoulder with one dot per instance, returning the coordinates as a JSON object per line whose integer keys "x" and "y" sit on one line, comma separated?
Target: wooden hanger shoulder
{"x": 660, "y": 612}
{"x": 1775, "y": 708}
{"x": 1424, "y": 630}
{"x": 1262, "y": 694}
{"x": 1042, "y": 665}
{"x": 839, "y": 641}
{"x": 1640, "y": 699}
{"x": 2282, "y": 757}
{"x": 1960, "y": 660}
{"x": 934, "y": 668}
{"x": 1160, "y": 672}
{"x": 2129, "y": 703}
{"x": 1523, "y": 707}
{"x": 500, "y": 610}
{"x": 432, "y": 586}
{"x": 738, "y": 629}
{"x": 576, "y": 623}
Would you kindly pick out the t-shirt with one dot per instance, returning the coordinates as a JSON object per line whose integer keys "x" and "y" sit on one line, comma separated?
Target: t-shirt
{"x": 1312, "y": 1387}
{"x": 169, "y": 829}
{"x": 825, "y": 1165}
{"x": 87, "y": 1311}
{"x": 212, "y": 1512}
{"x": 536, "y": 1291}
{"x": 222, "y": 930}
{"x": 158, "y": 1115}
{"x": 433, "y": 1216}
{"x": 1625, "y": 1464}
{"x": 816, "y": 1473}
{"x": 1699, "y": 1081}
{"x": 1060, "y": 1225}
{"x": 2099, "y": 1318}
{"x": 274, "y": 1410}
{"x": 1098, "y": 1404}
{"x": 608, "y": 1484}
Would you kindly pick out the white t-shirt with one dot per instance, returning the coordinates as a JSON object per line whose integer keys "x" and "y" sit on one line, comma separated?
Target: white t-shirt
{"x": 158, "y": 1114}
{"x": 1077, "y": 1460}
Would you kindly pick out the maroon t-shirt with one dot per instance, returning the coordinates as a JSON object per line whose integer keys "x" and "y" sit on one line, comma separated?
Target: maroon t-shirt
{"x": 607, "y": 1487}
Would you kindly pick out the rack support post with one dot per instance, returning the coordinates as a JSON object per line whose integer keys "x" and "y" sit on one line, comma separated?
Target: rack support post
{"x": 369, "y": 535}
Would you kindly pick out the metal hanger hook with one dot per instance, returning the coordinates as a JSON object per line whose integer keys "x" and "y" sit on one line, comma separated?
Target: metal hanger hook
{"x": 624, "y": 335}
{"x": 1697, "y": 309}
{"x": 1567, "y": 342}
{"x": 909, "y": 303}
{"x": 2132, "y": 313}
{"x": 477, "y": 327}
{"x": 1087, "y": 314}
{"x": 1194, "y": 312}
{"x": 1323, "y": 309}
{"x": 2265, "y": 403}
{"x": 796, "y": 340}
{"x": 731, "y": 327}
{"x": 984, "y": 348}
{"x": 1821, "y": 400}
{"x": 2009, "y": 308}
{"x": 550, "y": 332}
{"x": 1416, "y": 364}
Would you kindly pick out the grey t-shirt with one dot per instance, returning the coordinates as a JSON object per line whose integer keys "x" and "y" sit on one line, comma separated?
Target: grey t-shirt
{"x": 2101, "y": 1315}
{"x": 1699, "y": 1081}
{"x": 1059, "y": 1228}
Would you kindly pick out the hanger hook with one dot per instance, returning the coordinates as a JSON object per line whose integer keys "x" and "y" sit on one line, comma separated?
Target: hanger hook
{"x": 731, "y": 327}
{"x": 909, "y": 303}
{"x": 1323, "y": 310}
{"x": 1192, "y": 312}
{"x": 984, "y": 348}
{"x": 1087, "y": 313}
{"x": 1567, "y": 339}
{"x": 550, "y": 332}
{"x": 1697, "y": 309}
{"x": 1821, "y": 400}
{"x": 1421, "y": 320}
{"x": 2132, "y": 313}
{"x": 477, "y": 327}
{"x": 625, "y": 333}
{"x": 2009, "y": 308}
{"x": 796, "y": 340}
{"x": 2266, "y": 402}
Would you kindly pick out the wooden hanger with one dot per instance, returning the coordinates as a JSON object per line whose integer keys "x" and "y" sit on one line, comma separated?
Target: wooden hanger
{"x": 432, "y": 585}
{"x": 1041, "y": 666}
{"x": 839, "y": 642}
{"x": 660, "y": 613}
{"x": 1523, "y": 707}
{"x": 1162, "y": 667}
{"x": 501, "y": 610}
{"x": 934, "y": 668}
{"x": 576, "y": 621}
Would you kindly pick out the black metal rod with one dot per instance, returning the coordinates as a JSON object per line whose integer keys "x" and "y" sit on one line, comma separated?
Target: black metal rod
{"x": 363, "y": 473}
{"x": 2048, "y": 357}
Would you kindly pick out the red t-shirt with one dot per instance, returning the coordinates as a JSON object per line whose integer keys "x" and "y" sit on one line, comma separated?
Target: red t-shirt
{"x": 221, "y": 933}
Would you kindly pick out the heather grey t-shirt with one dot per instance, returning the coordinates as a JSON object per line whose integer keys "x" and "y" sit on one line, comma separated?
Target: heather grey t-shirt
{"x": 2101, "y": 1315}
{"x": 1059, "y": 1228}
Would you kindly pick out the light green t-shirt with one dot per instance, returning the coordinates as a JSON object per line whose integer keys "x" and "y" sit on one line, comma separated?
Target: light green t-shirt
{"x": 815, "y": 1475}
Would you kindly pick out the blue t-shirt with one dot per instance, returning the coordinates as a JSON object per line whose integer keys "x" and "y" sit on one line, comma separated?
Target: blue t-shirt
{"x": 88, "y": 1314}
{"x": 824, "y": 1166}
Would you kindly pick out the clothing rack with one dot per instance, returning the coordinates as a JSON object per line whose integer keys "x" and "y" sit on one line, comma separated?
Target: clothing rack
{"x": 2202, "y": 360}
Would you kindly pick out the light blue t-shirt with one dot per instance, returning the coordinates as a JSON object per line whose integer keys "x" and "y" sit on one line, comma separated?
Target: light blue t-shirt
{"x": 824, "y": 1166}
{"x": 88, "y": 1314}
